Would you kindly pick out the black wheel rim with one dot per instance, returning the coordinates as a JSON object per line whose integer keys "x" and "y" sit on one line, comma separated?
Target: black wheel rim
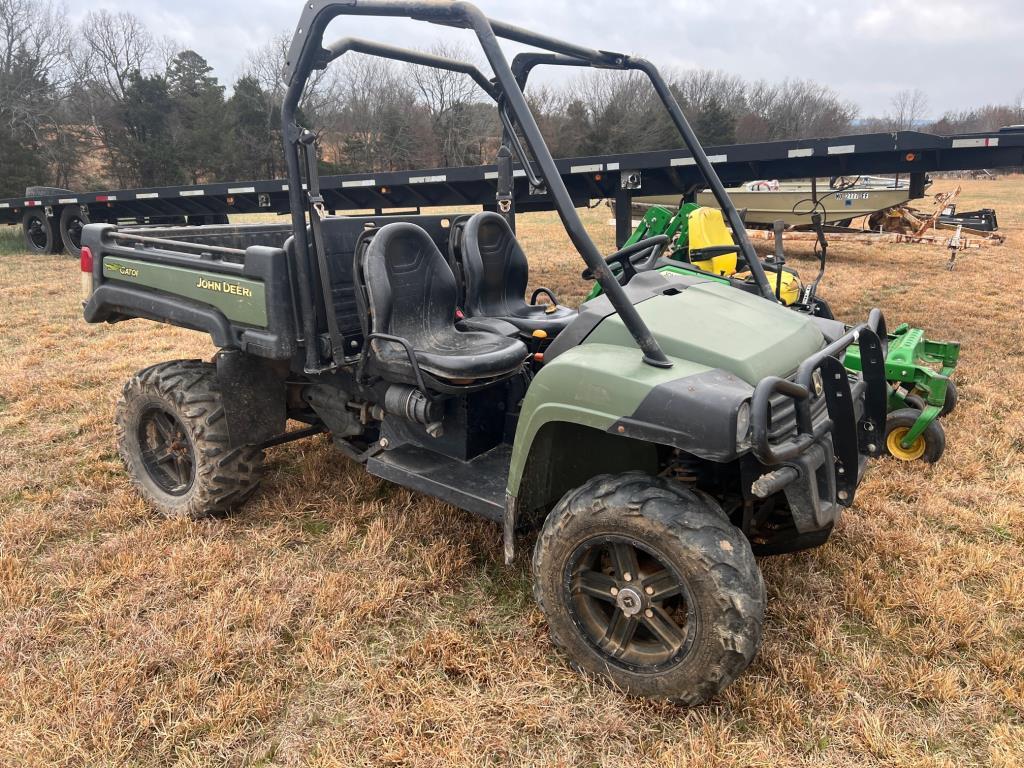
{"x": 74, "y": 230}
{"x": 167, "y": 451}
{"x": 630, "y": 604}
{"x": 36, "y": 234}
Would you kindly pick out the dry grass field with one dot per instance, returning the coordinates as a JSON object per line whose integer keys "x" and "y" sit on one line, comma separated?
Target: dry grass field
{"x": 339, "y": 620}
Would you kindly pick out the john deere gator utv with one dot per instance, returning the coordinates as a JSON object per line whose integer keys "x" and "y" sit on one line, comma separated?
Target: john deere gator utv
{"x": 655, "y": 440}
{"x": 919, "y": 370}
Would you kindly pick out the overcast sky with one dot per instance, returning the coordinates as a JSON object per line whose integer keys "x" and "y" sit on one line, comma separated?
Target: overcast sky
{"x": 961, "y": 53}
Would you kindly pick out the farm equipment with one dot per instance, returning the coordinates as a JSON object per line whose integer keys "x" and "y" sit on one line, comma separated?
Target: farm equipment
{"x": 918, "y": 370}
{"x": 656, "y": 439}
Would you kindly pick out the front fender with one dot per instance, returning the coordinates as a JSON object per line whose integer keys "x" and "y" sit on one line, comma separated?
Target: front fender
{"x": 610, "y": 389}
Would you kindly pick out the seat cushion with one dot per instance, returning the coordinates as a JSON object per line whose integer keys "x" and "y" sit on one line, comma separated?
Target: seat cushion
{"x": 489, "y": 325}
{"x": 529, "y": 319}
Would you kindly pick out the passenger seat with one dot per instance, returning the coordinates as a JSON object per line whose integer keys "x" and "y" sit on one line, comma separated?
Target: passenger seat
{"x": 497, "y": 274}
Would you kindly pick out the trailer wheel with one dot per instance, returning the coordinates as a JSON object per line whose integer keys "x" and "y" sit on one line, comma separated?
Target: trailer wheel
{"x": 651, "y": 587}
{"x": 172, "y": 436}
{"x": 73, "y": 220}
{"x": 929, "y": 447}
{"x": 40, "y": 233}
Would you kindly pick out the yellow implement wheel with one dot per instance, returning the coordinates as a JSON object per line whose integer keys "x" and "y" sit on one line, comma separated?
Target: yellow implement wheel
{"x": 929, "y": 447}
{"x": 894, "y": 442}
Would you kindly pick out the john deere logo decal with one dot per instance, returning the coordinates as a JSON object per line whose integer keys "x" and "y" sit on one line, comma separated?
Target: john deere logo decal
{"x": 222, "y": 287}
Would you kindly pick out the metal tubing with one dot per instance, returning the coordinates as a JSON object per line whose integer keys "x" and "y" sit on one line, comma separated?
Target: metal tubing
{"x": 176, "y": 244}
{"x": 524, "y": 64}
{"x": 293, "y": 437}
{"x": 370, "y": 48}
{"x": 653, "y": 354}
{"x": 307, "y": 53}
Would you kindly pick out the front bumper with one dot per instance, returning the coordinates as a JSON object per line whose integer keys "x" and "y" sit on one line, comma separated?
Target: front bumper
{"x": 822, "y": 460}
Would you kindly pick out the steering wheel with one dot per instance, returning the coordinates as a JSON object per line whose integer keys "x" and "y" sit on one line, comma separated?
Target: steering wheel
{"x": 629, "y": 258}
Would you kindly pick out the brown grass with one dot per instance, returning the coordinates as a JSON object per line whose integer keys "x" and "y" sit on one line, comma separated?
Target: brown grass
{"x": 339, "y": 620}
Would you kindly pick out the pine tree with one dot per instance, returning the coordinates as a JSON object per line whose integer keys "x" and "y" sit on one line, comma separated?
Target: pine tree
{"x": 149, "y": 145}
{"x": 254, "y": 141}
{"x": 199, "y": 121}
{"x": 715, "y": 125}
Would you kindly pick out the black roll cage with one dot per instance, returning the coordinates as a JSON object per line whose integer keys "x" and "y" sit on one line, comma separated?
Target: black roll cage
{"x": 307, "y": 54}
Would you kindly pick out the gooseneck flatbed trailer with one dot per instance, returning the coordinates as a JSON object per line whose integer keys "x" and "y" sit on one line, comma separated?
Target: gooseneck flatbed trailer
{"x": 52, "y": 219}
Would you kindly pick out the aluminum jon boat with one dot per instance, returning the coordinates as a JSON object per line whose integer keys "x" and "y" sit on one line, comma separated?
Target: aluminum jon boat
{"x": 840, "y": 200}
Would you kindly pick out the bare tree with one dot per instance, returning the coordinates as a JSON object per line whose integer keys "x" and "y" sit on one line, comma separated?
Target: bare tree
{"x": 910, "y": 108}
{"x": 116, "y": 46}
{"x": 793, "y": 109}
{"x": 34, "y": 76}
{"x": 449, "y": 97}
{"x": 372, "y": 120}
{"x": 702, "y": 87}
{"x": 267, "y": 66}
{"x": 34, "y": 46}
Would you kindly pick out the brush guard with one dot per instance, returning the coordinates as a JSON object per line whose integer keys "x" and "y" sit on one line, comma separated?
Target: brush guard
{"x": 857, "y": 408}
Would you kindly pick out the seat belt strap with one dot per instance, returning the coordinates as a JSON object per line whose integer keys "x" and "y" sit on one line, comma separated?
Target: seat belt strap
{"x": 317, "y": 213}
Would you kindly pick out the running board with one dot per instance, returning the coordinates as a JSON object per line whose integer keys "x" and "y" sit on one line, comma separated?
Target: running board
{"x": 476, "y": 486}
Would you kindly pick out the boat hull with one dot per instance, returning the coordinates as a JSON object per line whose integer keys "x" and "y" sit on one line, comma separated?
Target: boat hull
{"x": 794, "y": 207}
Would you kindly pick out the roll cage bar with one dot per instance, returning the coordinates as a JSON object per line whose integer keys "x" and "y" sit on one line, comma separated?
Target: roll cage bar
{"x": 307, "y": 54}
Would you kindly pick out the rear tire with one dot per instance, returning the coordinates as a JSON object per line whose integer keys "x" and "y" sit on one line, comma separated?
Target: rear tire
{"x": 686, "y": 624}
{"x": 172, "y": 436}
{"x": 40, "y": 233}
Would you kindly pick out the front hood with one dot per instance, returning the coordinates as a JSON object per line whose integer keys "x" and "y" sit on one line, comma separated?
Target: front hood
{"x": 721, "y": 327}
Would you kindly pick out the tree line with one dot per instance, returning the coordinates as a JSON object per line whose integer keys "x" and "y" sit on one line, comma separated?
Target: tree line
{"x": 107, "y": 103}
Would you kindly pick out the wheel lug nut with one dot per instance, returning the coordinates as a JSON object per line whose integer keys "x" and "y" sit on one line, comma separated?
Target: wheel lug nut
{"x": 649, "y": 614}
{"x": 649, "y": 590}
{"x": 627, "y": 576}
{"x": 615, "y": 591}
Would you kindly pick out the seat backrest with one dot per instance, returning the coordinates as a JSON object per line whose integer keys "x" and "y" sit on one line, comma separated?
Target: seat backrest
{"x": 708, "y": 230}
{"x": 409, "y": 286}
{"x": 495, "y": 267}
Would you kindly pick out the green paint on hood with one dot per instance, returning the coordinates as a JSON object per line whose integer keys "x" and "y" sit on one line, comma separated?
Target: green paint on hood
{"x": 720, "y": 327}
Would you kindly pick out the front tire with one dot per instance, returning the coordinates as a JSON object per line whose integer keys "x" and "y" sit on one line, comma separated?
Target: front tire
{"x": 172, "y": 436}
{"x": 929, "y": 447}
{"x": 649, "y": 586}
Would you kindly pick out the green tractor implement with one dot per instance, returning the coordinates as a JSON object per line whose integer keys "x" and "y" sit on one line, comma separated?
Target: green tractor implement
{"x": 919, "y": 370}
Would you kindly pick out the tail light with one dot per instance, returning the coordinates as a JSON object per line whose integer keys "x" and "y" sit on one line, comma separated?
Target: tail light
{"x": 87, "y": 281}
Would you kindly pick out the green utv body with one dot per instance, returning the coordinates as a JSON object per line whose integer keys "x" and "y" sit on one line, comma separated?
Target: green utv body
{"x": 654, "y": 440}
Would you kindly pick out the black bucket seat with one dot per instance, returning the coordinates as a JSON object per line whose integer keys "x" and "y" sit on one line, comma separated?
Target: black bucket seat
{"x": 411, "y": 295}
{"x": 497, "y": 273}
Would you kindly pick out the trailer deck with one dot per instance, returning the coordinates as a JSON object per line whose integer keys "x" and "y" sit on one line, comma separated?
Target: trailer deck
{"x": 616, "y": 177}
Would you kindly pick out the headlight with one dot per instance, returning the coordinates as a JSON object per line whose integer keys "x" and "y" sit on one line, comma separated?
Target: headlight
{"x": 743, "y": 423}
{"x": 818, "y": 384}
